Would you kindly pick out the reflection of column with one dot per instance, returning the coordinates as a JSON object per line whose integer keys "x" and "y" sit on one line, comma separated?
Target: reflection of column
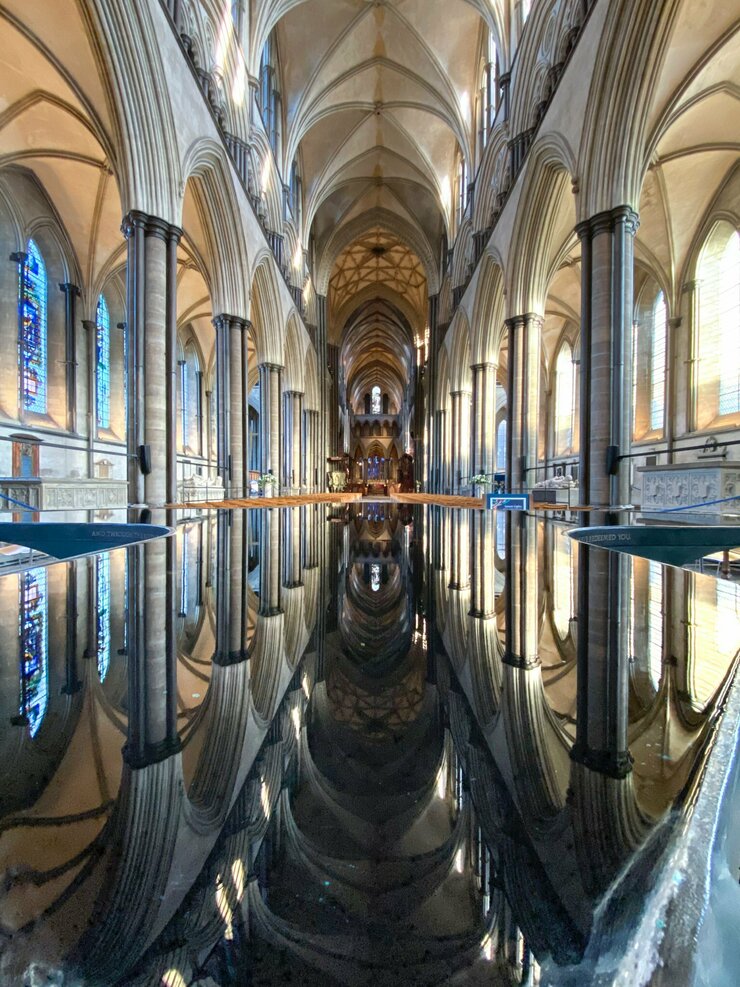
{"x": 603, "y": 663}
{"x": 292, "y": 548}
{"x": 522, "y": 603}
{"x": 271, "y": 418}
{"x": 152, "y": 732}
{"x": 607, "y": 252}
{"x": 483, "y": 564}
{"x": 483, "y": 418}
{"x": 270, "y": 582}
{"x": 237, "y": 588}
{"x": 223, "y": 588}
{"x": 152, "y": 311}
{"x": 524, "y": 335}
{"x": 459, "y": 549}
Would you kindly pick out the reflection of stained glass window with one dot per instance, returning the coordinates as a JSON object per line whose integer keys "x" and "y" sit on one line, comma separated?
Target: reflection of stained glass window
{"x": 33, "y": 292}
{"x": 102, "y": 369}
{"x": 103, "y": 592}
{"x": 375, "y": 578}
{"x": 376, "y": 402}
{"x": 563, "y": 586}
{"x": 184, "y": 574}
{"x": 34, "y": 634}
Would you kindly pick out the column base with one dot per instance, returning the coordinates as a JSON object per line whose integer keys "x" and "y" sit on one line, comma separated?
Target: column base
{"x": 613, "y": 764}
{"x": 516, "y": 661}
{"x": 152, "y": 754}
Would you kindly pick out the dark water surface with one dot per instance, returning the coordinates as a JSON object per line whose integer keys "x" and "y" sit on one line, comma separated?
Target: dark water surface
{"x": 356, "y": 746}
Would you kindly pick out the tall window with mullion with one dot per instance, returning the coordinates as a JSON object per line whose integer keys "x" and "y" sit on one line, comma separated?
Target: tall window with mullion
{"x": 33, "y": 292}
{"x": 717, "y": 328}
{"x": 565, "y": 401}
{"x": 649, "y": 347}
{"x": 102, "y": 364}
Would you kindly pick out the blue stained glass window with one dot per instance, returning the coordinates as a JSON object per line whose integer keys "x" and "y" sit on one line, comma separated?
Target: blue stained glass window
{"x": 102, "y": 575}
{"x": 33, "y": 293}
{"x": 34, "y": 636}
{"x": 102, "y": 369}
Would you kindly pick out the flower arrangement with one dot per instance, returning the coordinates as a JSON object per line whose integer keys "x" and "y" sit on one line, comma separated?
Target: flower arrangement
{"x": 479, "y": 479}
{"x": 267, "y": 480}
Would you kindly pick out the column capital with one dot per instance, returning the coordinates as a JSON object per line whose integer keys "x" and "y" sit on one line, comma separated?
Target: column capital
{"x": 606, "y": 221}
{"x": 224, "y": 321}
{"x": 89, "y": 324}
{"x": 151, "y": 225}
{"x": 19, "y": 257}
{"x": 70, "y": 289}
{"x": 270, "y": 366}
{"x": 486, "y": 365}
{"x": 295, "y": 394}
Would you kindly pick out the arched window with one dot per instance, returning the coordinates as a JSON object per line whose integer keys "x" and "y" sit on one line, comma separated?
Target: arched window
{"x": 717, "y": 332}
{"x": 526, "y": 8}
{"x": 191, "y": 402}
{"x": 565, "y": 400}
{"x": 488, "y": 92}
{"x": 296, "y": 195}
{"x": 33, "y": 632}
{"x": 649, "y": 337}
{"x": 657, "y": 364}
{"x": 32, "y": 297}
{"x": 102, "y": 368}
{"x": 461, "y": 179}
{"x": 376, "y": 401}
{"x": 270, "y": 100}
{"x": 501, "y": 445}
{"x": 102, "y": 583}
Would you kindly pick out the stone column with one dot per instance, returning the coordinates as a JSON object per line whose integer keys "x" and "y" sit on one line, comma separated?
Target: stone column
{"x": 524, "y": 335}
{"x": 455, "y": 459}
{"x": 152, "y": 309}
{"x": 292, "y": 438}
{"x": 297, "y": 442}
{"x": 71, "y": 294}
{"x": 607, "y": 267}
{"x": 231, "y": 403}
{"x": 271, "y": 418}
{"x": 484, "y": 418}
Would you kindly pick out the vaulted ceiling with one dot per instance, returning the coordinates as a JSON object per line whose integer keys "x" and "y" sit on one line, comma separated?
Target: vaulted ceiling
{"x": 377, "y": 115}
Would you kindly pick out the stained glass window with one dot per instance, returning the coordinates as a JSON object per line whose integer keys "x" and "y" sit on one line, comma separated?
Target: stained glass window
{"x": 102, "y": 574}
{"x": 102, "y": 369}
{"x": 33, "y": 293}
{"x": 376, "y": 401}
{"x": 33, "y": 632}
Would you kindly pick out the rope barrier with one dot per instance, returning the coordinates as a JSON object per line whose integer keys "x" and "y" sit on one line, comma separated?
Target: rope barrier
{"x": 691, "y": 507}
{"x": 18, "y": 503}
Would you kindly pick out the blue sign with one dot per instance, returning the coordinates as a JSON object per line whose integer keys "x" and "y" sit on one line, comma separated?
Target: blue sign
{"x": 508, "y": 502}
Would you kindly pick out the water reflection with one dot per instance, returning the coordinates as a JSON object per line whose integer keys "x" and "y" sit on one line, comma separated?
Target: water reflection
{"x": 389, "y": 746}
